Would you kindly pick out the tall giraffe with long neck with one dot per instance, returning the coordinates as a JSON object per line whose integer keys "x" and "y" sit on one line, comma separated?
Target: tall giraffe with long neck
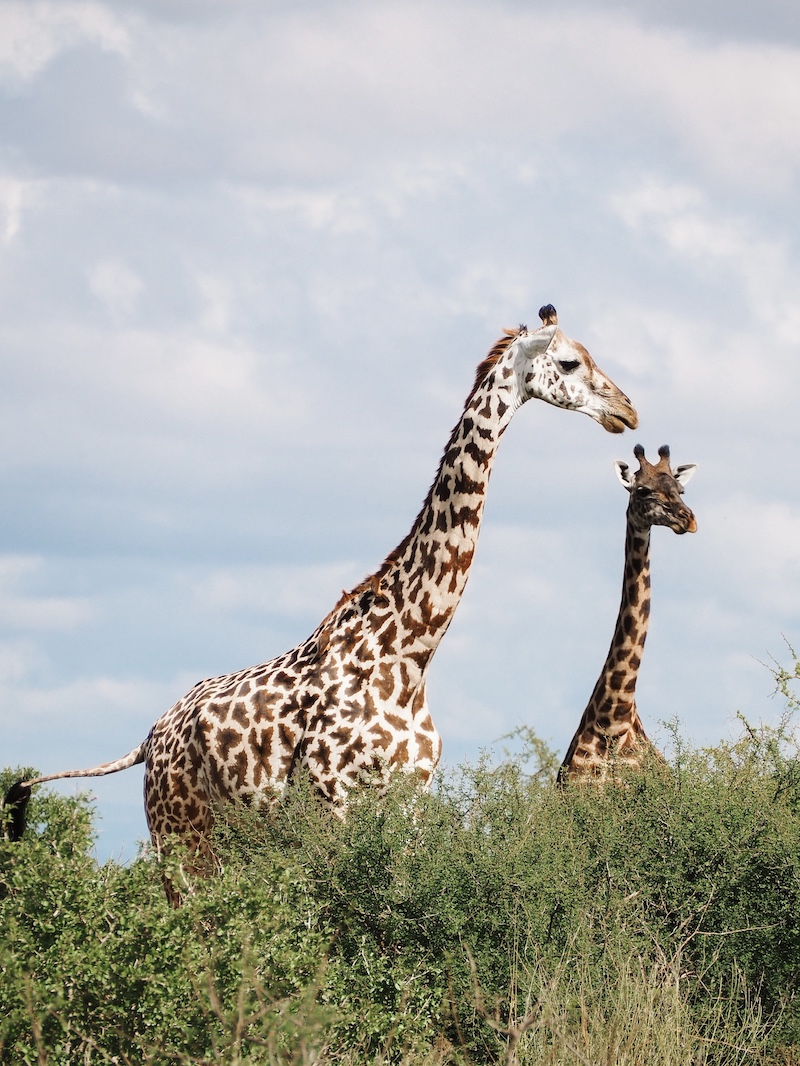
{"x": 348, "y": 704}
{"x": 611, "y": 731}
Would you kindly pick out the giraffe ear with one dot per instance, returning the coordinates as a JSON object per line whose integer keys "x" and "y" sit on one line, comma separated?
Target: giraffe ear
{"x": 683, "y": 474}
{"x": 624, "y": 474}
{"x": 537, "y": 341}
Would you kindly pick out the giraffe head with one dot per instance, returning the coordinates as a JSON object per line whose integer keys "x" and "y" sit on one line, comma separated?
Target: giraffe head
{"x": 551, "y": 367}
{"x": 656, "y": 492}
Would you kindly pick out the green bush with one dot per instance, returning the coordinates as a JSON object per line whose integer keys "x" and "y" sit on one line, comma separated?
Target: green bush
{"x": 498, "y": 919}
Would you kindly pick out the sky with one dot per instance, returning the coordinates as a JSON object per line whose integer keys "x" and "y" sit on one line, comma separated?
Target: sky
{"x": 251, "y": 252}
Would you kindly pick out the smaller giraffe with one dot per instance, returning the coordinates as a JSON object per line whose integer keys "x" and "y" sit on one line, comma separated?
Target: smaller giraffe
{"x": 610, "y": 729}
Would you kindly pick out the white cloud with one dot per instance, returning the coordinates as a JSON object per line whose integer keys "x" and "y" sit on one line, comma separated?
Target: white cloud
{"x": 19, "y": 659}
{"x": 116, "y": 286}
{"x": 691, "y": 227}
{"x": 305, "y": 91}
{"x": 13, "y": 194}
{"x": 687, "y": 368}
{"x": 34, "y": 31}
{"x": 87, "y": 382}
{"x": 305, "y": 94}
{"x": 187, "y": 375}
{"x": 331, "y": 209}
{"x": 758, "y": 550}
{"x": 46, "y": 612}
{"x": 95, "y": 702}
{"x": 217, "y": 296}
{"x": 290, "y": 591}
{"x": 21, "y": 609}
{"x": 735, "y": 104}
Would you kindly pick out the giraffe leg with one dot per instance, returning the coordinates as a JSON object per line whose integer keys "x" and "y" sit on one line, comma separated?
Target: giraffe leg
{"x": 179, "y": 818}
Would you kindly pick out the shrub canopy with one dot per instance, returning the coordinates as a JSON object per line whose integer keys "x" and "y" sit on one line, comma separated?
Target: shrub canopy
{"x": 497, "y": 919}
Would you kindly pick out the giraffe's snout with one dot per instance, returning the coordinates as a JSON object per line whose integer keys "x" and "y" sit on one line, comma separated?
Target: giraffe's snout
{"x": 618, "y": 413}
{"x": 687, "y": 523}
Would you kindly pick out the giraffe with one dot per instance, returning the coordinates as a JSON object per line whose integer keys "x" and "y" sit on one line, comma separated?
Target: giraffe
{"x": 610, "y": 729}
{"x": 348, "y": 704}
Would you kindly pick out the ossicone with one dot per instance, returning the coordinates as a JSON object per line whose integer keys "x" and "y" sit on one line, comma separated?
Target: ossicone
{"x": 663, "y": 458}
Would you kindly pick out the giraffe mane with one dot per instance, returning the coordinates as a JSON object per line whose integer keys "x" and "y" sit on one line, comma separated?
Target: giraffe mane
{"x": 493, "y": 357}
{"x": 373, "y": 581}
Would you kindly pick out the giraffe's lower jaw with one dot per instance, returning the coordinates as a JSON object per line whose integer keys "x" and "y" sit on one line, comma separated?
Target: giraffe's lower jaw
{"x": 617, "y": 423}
{"x": 615, "y": 414}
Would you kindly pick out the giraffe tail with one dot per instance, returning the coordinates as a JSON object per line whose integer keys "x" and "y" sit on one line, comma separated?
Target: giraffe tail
{"x": 16, "y": 799}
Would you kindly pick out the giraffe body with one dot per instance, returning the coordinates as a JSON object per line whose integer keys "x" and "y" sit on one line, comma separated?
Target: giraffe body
{"x": 348, "y": 704}
{"x": 611, "y": 732}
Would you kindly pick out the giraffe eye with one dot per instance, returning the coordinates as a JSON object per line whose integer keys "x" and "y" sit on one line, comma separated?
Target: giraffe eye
{"x": 643, "y": 490}
{"x": 566, "y": 366}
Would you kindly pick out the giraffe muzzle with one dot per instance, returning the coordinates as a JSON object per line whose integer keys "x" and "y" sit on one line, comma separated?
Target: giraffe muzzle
{"x": 687, "y": 525}
{"x": 620, "y": 417}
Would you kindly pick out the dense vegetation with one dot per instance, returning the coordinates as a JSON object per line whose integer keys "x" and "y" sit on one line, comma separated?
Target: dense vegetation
{"x": 499, "y": 919}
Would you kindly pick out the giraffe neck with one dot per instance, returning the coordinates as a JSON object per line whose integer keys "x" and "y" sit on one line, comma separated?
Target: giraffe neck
{"x": 611, "y": 720}
{"x": 410, "y": 601}
{"x": 613, "y": 700}
{"x": 434, "y": 561}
